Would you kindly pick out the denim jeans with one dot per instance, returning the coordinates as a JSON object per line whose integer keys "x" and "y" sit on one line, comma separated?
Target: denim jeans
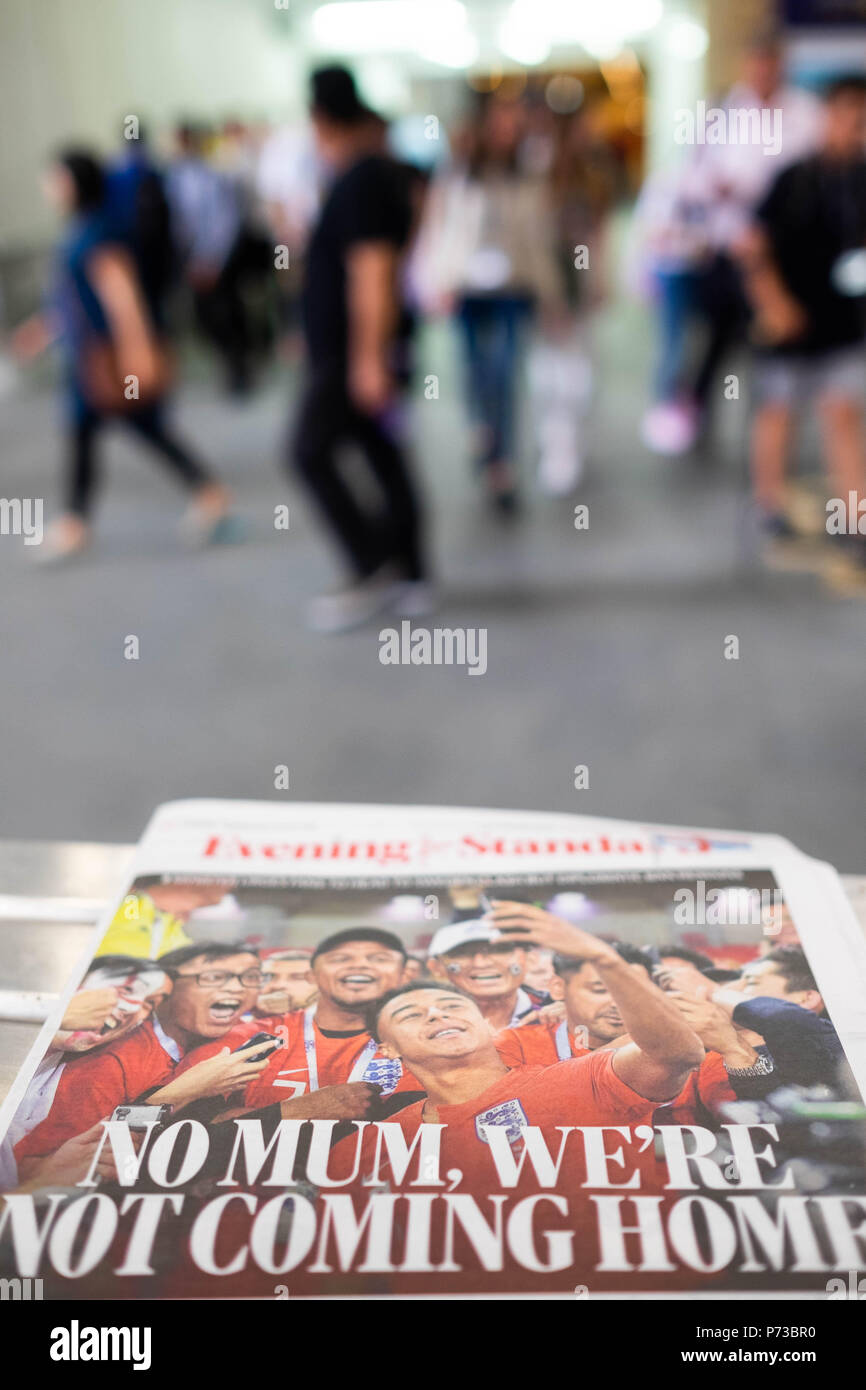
{"x": 676, "y": 307}
{"x": 492, "y": 327}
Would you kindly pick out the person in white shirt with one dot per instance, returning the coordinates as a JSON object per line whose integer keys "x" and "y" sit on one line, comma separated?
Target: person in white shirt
{"x": 486, "y": 252}
{"x": 207, "y": 224}
{"x": 768, "y": 125}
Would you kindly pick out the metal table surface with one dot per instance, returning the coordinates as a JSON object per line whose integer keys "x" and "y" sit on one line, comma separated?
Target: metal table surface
{"x": 50, "y": 895}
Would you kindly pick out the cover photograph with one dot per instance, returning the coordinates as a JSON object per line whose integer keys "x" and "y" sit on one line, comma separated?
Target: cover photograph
{"x": 387, "y": 1052}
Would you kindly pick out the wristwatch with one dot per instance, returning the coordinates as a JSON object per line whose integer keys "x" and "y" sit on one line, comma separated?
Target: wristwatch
{"x": 764, "y": 1066}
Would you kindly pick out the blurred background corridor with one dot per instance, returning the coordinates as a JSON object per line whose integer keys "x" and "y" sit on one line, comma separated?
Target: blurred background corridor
{"x": 590, "y": 511}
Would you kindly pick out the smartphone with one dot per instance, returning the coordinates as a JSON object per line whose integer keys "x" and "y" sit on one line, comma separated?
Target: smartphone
{"x": 142, "y": 1116}
{"x": 256, "y": 1040}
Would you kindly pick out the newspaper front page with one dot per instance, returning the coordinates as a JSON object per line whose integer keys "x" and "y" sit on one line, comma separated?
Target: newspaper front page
{"x": 331, "y": 1051}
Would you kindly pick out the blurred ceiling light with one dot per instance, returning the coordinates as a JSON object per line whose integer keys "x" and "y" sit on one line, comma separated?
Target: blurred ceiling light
{"x": 602, "y": 47}
{"x": 686, "y": 39}
{"x": 564, "y": 94}
{"x": 450, "y": 50}
{"x": 566, "y": 21}
{"x": 601, "y": 30}
{"x": 521, "y": 39}
{"x": 437, "y": 30}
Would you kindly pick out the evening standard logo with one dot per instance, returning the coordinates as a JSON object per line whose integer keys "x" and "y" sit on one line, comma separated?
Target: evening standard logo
{"x": 441, "y": 646}
{"x": 759, "y": 126}
{"x": 76, "y": 1343}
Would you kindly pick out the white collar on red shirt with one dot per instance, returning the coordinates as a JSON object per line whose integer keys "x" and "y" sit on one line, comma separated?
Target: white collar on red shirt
{"x": 522, "y": 1006}
{"x": 166, "y": 1043}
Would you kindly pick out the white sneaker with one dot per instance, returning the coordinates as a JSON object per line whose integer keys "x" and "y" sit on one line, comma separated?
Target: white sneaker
{"x": 561, "y": 462}
{"x": 413, "y": 598}
{"x": 671, "y": 428}
{"x": 65, "y": 539}
{"x": 353, "y": 606}
{"x": 560, "y": 467}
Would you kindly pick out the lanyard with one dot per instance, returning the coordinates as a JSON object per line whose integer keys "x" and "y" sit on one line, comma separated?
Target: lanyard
{"x": 166, "y": 1043}
{"x": 522, "y": 1005}
{"x": 563, "y": 1042}
{"x": 361, "y": 1062}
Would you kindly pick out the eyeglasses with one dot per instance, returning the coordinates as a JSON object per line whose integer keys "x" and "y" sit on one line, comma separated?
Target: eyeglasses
{"x": 215, "y": 979}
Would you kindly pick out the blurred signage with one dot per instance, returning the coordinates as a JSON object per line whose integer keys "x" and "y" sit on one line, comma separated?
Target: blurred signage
{"x": 818, "y": 14}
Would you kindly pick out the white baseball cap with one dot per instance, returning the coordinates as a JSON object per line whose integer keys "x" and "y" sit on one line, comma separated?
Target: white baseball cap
{"x": 459, "y": 933}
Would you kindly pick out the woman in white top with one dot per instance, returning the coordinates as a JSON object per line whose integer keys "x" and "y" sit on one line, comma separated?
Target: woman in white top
{"x": 486, "y": 253}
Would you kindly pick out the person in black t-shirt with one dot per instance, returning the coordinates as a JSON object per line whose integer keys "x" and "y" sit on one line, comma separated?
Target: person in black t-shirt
{"x": 351, "y": 315}
{"x": 803, "y": 263}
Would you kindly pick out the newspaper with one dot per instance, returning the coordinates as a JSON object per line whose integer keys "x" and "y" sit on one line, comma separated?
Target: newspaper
{"x": 337, "y": 1051}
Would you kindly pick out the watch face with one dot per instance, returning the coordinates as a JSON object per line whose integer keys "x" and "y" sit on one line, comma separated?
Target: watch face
{"x": 849, "y": 273}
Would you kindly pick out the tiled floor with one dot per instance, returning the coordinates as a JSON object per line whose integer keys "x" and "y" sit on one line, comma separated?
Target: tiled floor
{"x": 605, "y": 646}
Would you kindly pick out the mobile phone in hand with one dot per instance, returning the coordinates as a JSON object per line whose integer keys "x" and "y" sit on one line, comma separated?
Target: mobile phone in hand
{"x": 255, "y": 1041}
{"x": 142, "y": 1116}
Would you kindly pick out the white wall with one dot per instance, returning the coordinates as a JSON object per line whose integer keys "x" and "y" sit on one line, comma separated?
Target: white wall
{"x": 675, "y": 82}
{"x": 70, "y": 70}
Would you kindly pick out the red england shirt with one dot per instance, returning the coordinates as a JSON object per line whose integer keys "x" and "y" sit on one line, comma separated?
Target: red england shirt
{"x": 336, "y": 1058}
{"x": 91, "y": 1086}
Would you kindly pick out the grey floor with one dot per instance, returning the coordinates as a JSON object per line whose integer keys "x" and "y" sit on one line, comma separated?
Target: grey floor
{"x": 606, "y": 646}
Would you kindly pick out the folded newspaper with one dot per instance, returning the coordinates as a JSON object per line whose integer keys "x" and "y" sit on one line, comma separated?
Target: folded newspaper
{"x": 374, "y": 1051}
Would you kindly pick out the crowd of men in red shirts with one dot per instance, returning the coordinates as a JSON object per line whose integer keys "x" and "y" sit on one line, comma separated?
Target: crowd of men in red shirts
{"x": 370, "y": 1033}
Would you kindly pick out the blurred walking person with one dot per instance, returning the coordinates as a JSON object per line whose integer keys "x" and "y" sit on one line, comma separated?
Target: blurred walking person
{"x": 114, "y": 364}
{"x": 667, "y": 265}
{"x": 351, "y": 317}
{"x": 731, "y": 178}
{"x": 137, "y": 209}
{"x": 487, "y": 254}
{"x": 804, "y": 263}
{"x": 583, "y": 183}
{"x": 237, "y": 157}
{"x": 207, "y": 221}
